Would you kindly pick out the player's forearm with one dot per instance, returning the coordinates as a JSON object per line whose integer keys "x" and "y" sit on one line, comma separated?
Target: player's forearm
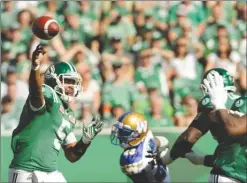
{"x": 185, "y": 142}
{"x": 234, "y": 125}
{"x": 35, "y": 89}
{"x": 74, "y": 153}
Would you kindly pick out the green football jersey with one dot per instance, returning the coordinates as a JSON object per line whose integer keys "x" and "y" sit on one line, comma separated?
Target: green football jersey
{"x": 229, "y": 156}
{"x": 41, "y": 132}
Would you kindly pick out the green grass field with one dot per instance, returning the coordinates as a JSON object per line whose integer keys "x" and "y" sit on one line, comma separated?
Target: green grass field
{"x": 101, "y": 162}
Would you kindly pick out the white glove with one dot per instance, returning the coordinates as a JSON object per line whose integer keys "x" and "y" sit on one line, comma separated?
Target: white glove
{"x": 162, "y": 156}
{"x": 90, "y": 130}
{"x": 195, "y": 158}
{"x": 215, "y": 86}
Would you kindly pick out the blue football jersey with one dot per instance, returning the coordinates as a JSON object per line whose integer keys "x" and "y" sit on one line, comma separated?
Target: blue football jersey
{"x": 140, "y": 168}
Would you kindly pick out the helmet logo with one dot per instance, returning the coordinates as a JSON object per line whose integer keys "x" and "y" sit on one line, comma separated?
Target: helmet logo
{"x": 50, "y": 72}
{"x": 212, "y": 73}
{"x": 141, "y": 126}
{"x": 239, "y": 103}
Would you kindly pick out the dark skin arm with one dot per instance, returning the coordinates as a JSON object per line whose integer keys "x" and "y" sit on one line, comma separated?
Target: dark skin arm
{"x": 185, "y": 142}
{"x": 199, "y": 126}
{"x": 234, "y": 125}
{"x": 74, "y": 151}
{"x": 35, "y": 84}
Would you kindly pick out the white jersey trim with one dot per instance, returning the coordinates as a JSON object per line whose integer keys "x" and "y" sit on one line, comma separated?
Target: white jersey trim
{"x": 34, "y": 108}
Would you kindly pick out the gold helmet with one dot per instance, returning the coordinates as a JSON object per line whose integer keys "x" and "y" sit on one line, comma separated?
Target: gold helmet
{"x": 130, "y": 129}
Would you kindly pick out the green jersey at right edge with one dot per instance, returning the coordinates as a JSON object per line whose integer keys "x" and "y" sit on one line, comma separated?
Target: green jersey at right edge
{"x": 230, "y": 156}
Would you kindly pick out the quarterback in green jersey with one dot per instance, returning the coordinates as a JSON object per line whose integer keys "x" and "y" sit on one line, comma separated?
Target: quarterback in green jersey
{"x": 46, "y": 124}
{"x": 226, "y": 167}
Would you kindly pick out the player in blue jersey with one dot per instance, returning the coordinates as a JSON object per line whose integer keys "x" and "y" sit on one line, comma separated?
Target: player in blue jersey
{"x": 132, "y": 133}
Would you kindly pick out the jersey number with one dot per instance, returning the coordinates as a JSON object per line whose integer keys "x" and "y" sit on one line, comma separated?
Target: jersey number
{"x": 61, "y": 135}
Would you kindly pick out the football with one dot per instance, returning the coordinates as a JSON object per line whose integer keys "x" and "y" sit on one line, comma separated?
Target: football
{"x": 45, "y": 27}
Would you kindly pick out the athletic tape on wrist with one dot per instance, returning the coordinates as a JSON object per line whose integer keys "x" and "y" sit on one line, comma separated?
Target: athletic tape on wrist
{"x": 35, "y": 67}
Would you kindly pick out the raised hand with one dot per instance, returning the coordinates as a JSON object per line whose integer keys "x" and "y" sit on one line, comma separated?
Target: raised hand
{"x": 90, "y": 130}
{"x": 37, "y": 57}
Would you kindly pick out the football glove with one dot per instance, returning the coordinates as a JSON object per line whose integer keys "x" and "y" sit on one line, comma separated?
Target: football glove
{"x": 90, "y": 130}
{"x": 161, "y": 157}
{"x": 216, "y": 90}
{"x": 195, "y": 158}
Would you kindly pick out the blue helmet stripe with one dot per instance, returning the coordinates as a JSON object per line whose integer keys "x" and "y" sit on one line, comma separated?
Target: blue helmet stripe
{"x": 123, "y": 116}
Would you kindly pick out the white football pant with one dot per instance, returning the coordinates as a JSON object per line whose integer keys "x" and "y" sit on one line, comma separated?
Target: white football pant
{"x": 221, "y": 179}
{"x": 22, "y": 176}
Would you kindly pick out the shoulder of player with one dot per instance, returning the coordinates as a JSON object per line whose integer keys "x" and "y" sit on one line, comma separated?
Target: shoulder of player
{"x": 49, "y": 93}
{"x": 205, "y": 102}
{"x": 240, "y": 101}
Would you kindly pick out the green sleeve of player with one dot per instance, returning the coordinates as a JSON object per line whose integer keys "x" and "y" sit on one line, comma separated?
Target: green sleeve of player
{"x": 240, "y": 104}
{"x": 204, "y": 104}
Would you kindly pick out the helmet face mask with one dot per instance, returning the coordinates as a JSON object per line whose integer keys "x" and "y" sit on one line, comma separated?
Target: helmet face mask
{"x": 130, "y": 130}
{"x": 121, "y": 135}
{"x": 227, "y": 78}
{"x": 64, "y": 79}
{"x": 65, "y": 84}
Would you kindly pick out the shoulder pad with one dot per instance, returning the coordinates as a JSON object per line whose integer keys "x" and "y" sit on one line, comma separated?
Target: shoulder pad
{"x": 240, "y": 104}
{"x": 49, "y": 94}
{"x": 205, "y": 103}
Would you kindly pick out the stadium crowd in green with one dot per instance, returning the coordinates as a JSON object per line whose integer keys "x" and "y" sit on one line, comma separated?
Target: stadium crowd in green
{"x": 145, "y": 56}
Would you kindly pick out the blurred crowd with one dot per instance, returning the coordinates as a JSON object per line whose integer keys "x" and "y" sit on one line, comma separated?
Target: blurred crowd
{"x": 146, "y": 56}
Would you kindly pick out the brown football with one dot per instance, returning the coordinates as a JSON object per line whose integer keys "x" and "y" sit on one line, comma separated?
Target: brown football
{"x": 45, "y": 27}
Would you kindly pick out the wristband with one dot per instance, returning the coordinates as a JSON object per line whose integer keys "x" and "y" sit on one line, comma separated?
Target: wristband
{"x": 85, "y": 141}
{"x": 35, "y": 68}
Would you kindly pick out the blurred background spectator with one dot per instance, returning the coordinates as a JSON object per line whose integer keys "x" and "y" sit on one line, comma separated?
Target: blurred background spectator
{"x": 145, "y": 56}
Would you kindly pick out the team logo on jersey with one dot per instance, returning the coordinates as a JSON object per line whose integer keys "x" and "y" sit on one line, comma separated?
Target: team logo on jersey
{"x": 61, "y": 109}
{"x": 239, "y": 103}
{"x": 205, "y": 101}
{"x": 72, "y": 119}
